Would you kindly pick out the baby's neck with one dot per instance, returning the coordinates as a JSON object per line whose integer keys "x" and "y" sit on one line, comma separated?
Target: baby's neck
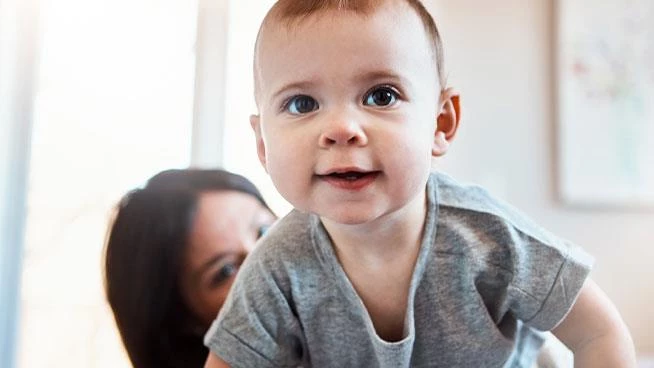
{"x": 379, "y": 260}
{"x": 396, "y": 233}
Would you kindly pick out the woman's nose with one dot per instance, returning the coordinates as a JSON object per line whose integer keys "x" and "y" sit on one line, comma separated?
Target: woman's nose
{"x": 342, "y": 130}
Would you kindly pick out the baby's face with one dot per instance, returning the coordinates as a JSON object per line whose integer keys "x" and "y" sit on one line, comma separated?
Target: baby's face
{"x": 348, "y": 108}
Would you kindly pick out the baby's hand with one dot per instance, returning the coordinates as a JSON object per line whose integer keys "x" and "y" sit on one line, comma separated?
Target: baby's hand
{"x": 595, "y": 332}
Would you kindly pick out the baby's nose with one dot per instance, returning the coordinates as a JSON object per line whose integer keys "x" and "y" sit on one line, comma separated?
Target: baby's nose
{"x": 344, "y": 131}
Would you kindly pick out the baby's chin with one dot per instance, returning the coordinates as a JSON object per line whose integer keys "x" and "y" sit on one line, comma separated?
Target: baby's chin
{"x": 349, "y": 217}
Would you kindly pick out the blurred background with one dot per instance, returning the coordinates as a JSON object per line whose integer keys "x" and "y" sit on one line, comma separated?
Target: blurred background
{"x": 96, "y": 96}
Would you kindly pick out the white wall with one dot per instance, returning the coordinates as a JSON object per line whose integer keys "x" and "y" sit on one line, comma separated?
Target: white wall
{"x": 500, "y": 55}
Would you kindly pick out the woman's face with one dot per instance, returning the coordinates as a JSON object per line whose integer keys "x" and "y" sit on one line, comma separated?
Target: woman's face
{"x": 226, "y": 226}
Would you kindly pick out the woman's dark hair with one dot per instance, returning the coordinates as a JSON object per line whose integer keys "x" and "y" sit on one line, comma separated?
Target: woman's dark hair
{"x": 143, "y": 260}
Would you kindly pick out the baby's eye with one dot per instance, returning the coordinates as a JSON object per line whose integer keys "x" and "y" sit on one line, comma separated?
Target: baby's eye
{"x": 381, "y": 96}
{"x": 301, "y": 104}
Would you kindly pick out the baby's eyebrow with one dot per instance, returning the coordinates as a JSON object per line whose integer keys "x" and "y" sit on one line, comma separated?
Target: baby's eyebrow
{"x": 380, "y": 74}
{"x": 293, "y": 85}
{"x": 364, "y": 77}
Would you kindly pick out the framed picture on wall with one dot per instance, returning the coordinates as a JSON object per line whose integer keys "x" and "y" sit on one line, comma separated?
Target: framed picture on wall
{"x": 605, "y": 84}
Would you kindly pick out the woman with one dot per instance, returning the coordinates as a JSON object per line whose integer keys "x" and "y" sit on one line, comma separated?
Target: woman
{"x": 172, "y": 252}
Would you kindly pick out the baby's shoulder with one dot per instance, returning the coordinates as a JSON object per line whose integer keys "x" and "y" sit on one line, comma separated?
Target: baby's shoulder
{"x": 455, "y": 194}
{"x": 285, "y": 256}
{"x": 289, "y": 237}
{"x": 475, "y": 207}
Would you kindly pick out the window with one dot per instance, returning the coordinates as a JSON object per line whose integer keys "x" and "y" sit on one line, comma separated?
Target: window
{"x": 114, "y": 105}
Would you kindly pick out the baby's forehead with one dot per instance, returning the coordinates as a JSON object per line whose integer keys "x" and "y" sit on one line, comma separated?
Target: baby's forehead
{"x": 289, "y": 28}
{"x": 286, "y": 28}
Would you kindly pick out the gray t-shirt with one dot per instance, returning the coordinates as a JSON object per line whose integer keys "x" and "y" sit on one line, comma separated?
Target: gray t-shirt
{"x": 483, "y": 269}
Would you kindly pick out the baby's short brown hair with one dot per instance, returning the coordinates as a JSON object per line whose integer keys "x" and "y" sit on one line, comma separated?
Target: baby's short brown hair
{"x": 291, "y": 12}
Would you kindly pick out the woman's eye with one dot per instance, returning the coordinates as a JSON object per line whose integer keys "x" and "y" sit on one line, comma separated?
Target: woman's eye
{"x": 381, "y": 96}
{"x": 224, "y": 274}
{"x": 302, "y": 104}
{"x": 262, "y": 230}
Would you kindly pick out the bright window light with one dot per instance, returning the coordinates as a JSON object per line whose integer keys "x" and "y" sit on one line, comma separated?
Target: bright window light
{"x": 114, "y": 106}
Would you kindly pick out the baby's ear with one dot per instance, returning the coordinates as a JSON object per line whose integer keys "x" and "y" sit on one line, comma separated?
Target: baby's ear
{"x": 447, "y": 121}
{"x": 255, "y": 123}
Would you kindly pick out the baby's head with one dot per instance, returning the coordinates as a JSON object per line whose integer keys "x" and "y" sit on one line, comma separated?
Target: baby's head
{"x": 352, "y": 104}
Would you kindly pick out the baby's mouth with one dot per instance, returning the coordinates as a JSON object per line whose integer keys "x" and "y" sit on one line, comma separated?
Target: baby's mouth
{"x": 350, "y": 179}
{"x": 348, "y": 175}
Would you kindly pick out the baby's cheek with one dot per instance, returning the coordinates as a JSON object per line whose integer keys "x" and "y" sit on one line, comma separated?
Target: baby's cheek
{"x": 287, "y": 172}
{"x": 412, "y": 162}
{"x": 279, "y": 164}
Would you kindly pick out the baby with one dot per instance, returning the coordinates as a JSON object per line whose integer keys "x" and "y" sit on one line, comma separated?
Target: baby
{"x": 384, "y": 263}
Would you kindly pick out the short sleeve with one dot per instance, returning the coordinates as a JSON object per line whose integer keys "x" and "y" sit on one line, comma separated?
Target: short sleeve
{"x": 257, "y": 326}
{"x": 520, "y": 270}
{"x": 546, "y": 280}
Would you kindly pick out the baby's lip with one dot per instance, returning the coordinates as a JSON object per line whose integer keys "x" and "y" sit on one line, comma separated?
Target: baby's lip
{"x": 344, "y": 170}
{"x": 350, "y": 179}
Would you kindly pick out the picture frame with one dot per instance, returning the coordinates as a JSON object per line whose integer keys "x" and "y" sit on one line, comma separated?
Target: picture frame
{"x": 605, "y": 92}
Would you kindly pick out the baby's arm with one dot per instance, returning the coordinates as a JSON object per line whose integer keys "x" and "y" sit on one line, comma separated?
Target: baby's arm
{"x": 595, "y": 332}
{"x": 213, "y": 361}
